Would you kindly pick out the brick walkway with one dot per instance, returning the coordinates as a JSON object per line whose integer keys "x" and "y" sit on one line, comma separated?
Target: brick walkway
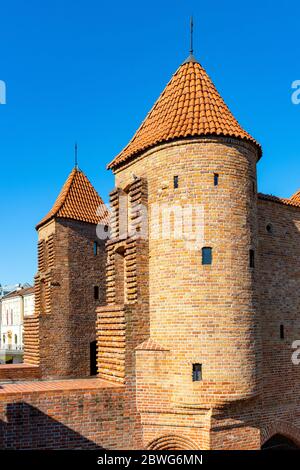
{"x": 54, "y": 385}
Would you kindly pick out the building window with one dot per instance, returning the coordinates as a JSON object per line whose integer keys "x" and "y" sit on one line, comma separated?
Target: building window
{"x": 95, "y": 248}
{"x": 93, "y": 358}
{"x": 3, "y": 339}
{"x": 281, "y": 331}
{"x": 269, "y": 228}
{"x": 16, "y": 339}
{"x": 251, "y": 258}
{"x": 197, "y": 372}
{"x": 206, "y": 255}
{"x": 120, "y": 278}
{"x": 216, "y": 179}
{"x": 96, "y": 292}
{"x": 176, "y": 182}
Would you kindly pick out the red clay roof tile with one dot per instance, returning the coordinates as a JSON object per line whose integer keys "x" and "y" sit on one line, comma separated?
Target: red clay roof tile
{"x": 78, "y": 200}
{"x": 190, "y": 105}
{"x": 296, "y": 198}
{"x": 293, "y": 201}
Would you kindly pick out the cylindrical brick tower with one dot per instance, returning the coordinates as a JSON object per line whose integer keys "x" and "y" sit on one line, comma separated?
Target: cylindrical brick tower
{"x": 203, "y": 313}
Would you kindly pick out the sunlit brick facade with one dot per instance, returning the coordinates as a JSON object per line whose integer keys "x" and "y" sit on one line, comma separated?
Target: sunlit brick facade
{"x": 194, "y": 340}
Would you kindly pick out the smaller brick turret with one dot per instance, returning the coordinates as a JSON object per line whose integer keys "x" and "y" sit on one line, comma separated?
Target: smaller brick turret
{"x": 69, "y": 284}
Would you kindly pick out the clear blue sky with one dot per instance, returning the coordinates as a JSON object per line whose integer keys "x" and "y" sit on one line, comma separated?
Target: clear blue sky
{"x": 90, "y": 70}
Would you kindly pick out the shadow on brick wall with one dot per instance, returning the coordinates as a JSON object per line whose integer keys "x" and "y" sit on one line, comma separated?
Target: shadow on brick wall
{"x": 28, "y": 428}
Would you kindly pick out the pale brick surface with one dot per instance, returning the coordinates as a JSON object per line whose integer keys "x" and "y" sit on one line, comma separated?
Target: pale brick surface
{"x": 205, "y": 314}
{"x": 163, "y": 312}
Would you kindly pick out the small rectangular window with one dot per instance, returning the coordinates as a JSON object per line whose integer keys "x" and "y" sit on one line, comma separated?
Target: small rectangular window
{"x": 251, "y": 260}
{"x": 206, "y": 255}
{"x": 96, "y": 292}
{"x": 197, "y": 372}
{"x": 176, "y": 182}
{"x": 95, "y": 248}
{"x": 216, "y": 179}
{"x": 281, "y": 331}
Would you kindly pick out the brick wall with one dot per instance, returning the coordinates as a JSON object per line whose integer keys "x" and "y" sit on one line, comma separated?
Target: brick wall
{"x": 58, "y": 337}
{"x": 164, "y": 311}
{"x": 217, "y": 315}
{"x": 17, "y": 372}
{"x": 76, "y": 416}
{"x": 279, "y": 287}
{"x": 196, "y": 314}
{"x": 123, "y": 323}
{"x": 31, "y": 339}
{"x": 204, "y": 314}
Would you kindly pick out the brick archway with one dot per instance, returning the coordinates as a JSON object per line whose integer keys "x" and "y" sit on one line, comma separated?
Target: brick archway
{"x": 281, "y": 427}
{"x": 172, "y": 442}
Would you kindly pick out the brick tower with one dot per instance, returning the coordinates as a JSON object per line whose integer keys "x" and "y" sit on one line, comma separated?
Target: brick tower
{"x": 196, "y": 305}
{"x": 69, "y": 285}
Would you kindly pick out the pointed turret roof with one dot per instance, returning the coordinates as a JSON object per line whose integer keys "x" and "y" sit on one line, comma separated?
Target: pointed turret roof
{"x": 189, "y": 106}
{"x": 296, "y": 198}
{"x": 78, "y": 200}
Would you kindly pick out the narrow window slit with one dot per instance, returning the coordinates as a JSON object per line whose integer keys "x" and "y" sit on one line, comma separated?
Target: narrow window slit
{"x": 96, "y": 292}
{"x": 95, "y": 248}
{"x": 206, "y": 255}
{"x": 197, "y": 372}
{"x": 251, "y": 258}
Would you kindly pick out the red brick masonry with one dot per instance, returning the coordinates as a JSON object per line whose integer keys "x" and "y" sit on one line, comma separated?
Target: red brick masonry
{"x": 19, "y": 372}
{"x": 154, "y": 309}
{"x": 65, "y": 414}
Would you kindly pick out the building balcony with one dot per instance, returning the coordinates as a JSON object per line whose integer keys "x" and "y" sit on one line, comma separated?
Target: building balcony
{"x": 11, "y": 348}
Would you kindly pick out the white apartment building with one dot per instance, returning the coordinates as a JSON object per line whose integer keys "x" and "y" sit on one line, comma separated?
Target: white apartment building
{"x": 15, "y": 306}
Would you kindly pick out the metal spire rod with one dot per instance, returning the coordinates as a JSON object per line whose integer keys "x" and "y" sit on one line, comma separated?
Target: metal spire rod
{"x": 76, "y": 156}
{"x": 191, "y": 36}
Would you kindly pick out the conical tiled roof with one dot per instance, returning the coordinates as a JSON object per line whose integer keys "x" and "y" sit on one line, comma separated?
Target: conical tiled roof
{"x": 296, "y": 198}
{"x": 78, "y": 200}
{"x": 190, "y": 105}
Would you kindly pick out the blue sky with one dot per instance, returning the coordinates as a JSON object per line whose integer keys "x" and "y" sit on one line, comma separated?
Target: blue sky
{"x": 90, "y": 71}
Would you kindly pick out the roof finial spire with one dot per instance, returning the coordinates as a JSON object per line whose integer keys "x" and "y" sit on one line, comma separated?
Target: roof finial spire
{"x": 76, "y": 155}
{"x": 191, "y": 57}
{"x": 191, "y": 36}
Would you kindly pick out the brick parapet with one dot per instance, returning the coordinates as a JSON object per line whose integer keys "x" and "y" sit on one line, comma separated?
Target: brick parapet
{"x": 18, "y": 372}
